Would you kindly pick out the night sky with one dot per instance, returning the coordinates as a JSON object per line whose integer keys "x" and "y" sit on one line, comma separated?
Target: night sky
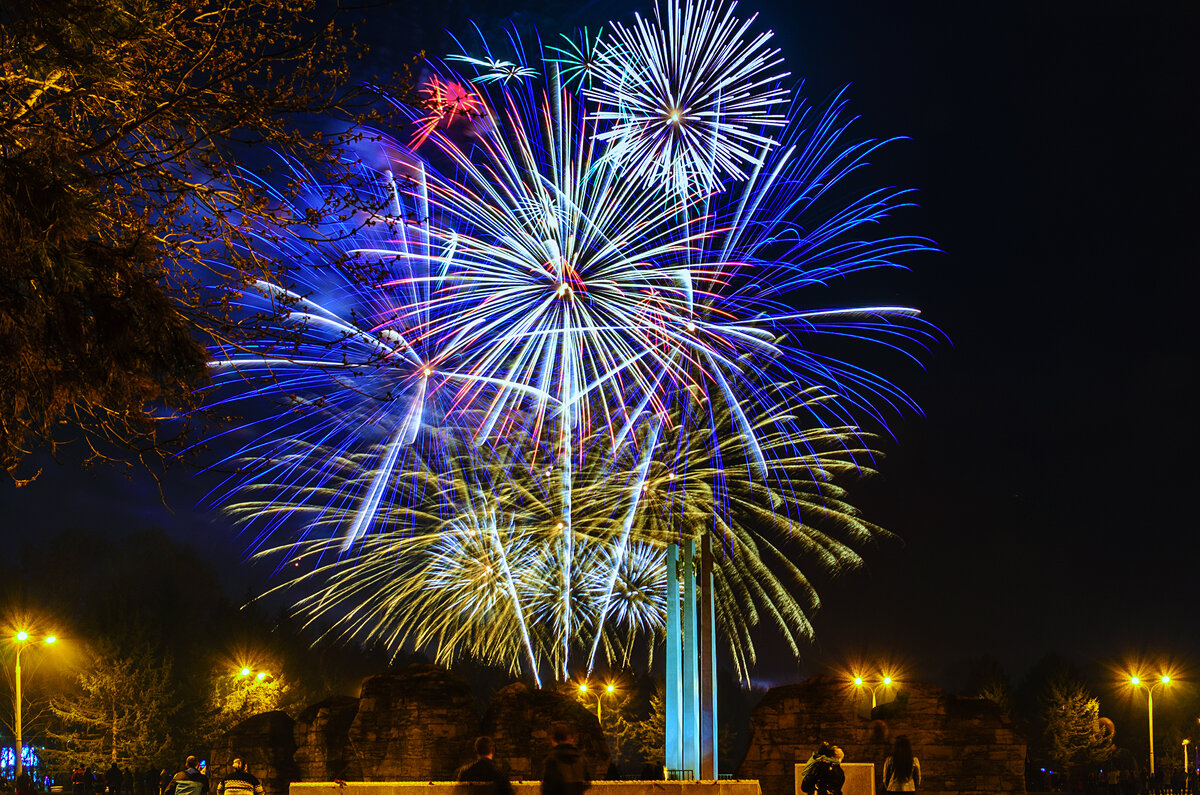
{"x": 1046, "y": 498}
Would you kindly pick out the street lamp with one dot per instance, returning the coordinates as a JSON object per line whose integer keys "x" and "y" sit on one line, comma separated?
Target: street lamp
{"x": 609, "y": 689}
{"x": 21, "y": 638}
{"x": 1163, "y": 681}
{"x": 884, "y": 682}
{"x": 246, "y": 673}
{"x": 1185, "y": 757}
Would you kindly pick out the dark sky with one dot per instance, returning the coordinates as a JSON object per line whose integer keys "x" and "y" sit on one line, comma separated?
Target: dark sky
{"x": 1046, "y": 497}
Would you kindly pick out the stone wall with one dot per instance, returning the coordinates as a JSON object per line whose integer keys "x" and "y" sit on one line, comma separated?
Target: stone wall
{"x": 416, "y": 724}
{"x": 322, "y": 738}
{"x": 521, "y": 721}
{"x": 964, "y": 745}
{"x": 266, "y": 743}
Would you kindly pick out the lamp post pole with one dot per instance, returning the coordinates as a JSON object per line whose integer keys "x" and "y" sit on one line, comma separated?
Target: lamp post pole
{"x": 1163, "y": 681}
{"x": 20, "y": 638}
{"x": 1150, "y": 721}
{"x": 17, "y": 706}
{"x": 599, "y": 701}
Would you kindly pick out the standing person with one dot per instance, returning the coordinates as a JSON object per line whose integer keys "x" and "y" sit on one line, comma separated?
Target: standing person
{"x": 901, "y": 770}
{"x": 565, "y": 771}
{"x": 89, "y": 781}
{"x": 189, "y": 781}
{"x": 77, "y": 780}
{"x": 240, "y": 782}
{"x": 113, "y": 779}
{"x": 823, "y": 774}
{"x": 484, "y": 769}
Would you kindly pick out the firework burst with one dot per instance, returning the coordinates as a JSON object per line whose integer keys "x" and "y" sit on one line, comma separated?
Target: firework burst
{"x": 688, "y": 94}
{"x": 574, "y": 341}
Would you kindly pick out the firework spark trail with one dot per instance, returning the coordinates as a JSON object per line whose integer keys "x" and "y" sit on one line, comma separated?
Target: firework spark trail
{"x": 620, "y": 550}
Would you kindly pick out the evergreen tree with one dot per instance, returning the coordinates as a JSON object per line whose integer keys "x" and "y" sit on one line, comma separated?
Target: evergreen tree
{"x": 1073, "y": 732}
{"x": 121, "y": 710}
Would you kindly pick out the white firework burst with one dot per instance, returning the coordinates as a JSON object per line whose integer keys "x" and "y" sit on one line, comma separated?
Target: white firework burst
{"x": 688, "y": 94}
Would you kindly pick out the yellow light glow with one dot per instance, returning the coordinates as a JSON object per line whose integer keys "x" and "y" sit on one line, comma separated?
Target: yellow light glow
{"x": 1135, "y": 681}
{"x": 428, "y": 372}
{"x": 1166, "y": 680}
{"x": 610, "y": 688}
{"x": 22, "y": 635}
{"x": 261, "y": 675}
{"x": 858, "y": 681}
{"x": 51, "y": 639}
{"x": 583, "y": 688}
{"x": 887, "y": 680}
{"x": 245, "y": 672}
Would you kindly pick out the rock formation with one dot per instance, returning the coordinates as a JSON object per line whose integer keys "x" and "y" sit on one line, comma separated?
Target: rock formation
{"x": 414, "y": 725}
{"x": 267, "y": 743}
{"x": 521, "y": 721}
{"x": 322, "y": 738}
{"x": 964, "y": 745}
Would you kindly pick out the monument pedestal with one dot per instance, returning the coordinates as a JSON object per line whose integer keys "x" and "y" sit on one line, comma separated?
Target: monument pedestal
{"x": 860, "y": 778}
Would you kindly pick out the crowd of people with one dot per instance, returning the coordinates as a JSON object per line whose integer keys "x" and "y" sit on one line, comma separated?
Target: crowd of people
{"x": 191, "y": 780}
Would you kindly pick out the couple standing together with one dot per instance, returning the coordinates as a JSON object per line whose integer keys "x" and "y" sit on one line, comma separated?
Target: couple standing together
{"x": 823, "y": 774}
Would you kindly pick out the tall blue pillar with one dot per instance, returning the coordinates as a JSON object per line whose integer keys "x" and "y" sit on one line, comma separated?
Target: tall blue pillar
{"x": 691, "y": 674}
{"x": 708, "y": 668}
{"x": 674, "y": 695}
{"x": 691, "y": 703}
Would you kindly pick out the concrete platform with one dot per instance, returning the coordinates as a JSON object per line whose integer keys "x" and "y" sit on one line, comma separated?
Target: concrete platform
{"x": 860, "y": 778}
{"x": 724, "y": 787}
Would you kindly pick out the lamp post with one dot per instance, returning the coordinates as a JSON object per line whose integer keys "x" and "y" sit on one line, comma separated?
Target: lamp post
{"x": 610, "y": 689}
{"x": 1185, "y": 757}
{"x": 21, "y": 638}
{"x": 1163, "y": 681}
{"x": 884, "y": 682}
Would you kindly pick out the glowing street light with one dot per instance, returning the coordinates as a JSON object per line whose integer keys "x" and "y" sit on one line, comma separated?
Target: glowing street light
{"x": 1137, "y": 682}
{"x": 1185, "y": 756}
{"x": 21, "y": 638}
{"x": 609, "y": 689}
{"x": 247, "y": 672}
{"x": 884, "y": 683}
